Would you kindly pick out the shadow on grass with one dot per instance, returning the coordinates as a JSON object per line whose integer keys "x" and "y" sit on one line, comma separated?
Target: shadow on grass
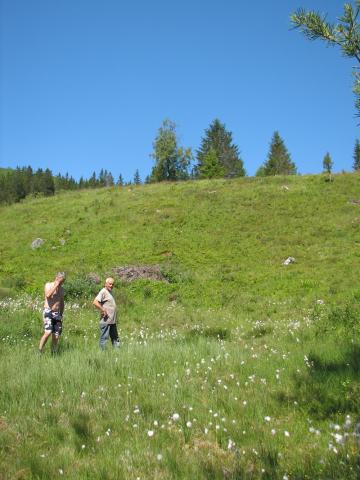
{"x": 350, "y": 363}
{"x": 329, "y": 387}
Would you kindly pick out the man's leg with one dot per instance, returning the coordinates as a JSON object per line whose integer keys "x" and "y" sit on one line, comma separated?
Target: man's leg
{"x": 44, "y": 339}
{"x": 54, "y": 343}
{"x": 114, "y": 336}
{"x": 56, "y": 332}
{"x": 47, "y": 333}
{"x": 104, "y": 335}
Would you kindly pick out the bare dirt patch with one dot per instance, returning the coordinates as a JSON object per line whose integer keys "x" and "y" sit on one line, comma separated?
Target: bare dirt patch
{"x": 136, "y": 272}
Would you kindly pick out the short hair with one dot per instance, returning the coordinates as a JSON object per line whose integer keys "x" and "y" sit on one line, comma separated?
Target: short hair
{"x": 61, "y": 275}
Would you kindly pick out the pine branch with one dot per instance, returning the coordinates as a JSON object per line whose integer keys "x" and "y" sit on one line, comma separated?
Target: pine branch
{"x": 314, "y": 26}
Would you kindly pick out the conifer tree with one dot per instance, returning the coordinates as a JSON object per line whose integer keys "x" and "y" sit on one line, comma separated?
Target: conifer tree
{"x": 279, "y": 160}
{"x": 210, "y": 166}
{"x": 109, "y": 179}
{"x": 37, "y": 181}
{"x": 28, "y": 180}
{"x": 18, "y": 184}
{"x": 93, "y": 181}
{"x": 102, "y": 178}
{"x": 137, "y": 179}
{"x": 356, "y": 157}
{"x": 224, "y": 156}
{"x": 120, "y": 181}
{"x": 48, "y": 186}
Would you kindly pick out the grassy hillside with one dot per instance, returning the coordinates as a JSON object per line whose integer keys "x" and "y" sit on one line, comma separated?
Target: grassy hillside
{"x": 224, "y": 241}
{"x": 237, "y": 367}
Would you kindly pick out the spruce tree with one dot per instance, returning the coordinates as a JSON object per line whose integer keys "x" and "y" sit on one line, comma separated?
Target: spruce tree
{"x": 28, "y": 179}
{"x": 102, "y": 178}
{"x": 48, "y": 184}
{"x": 137, "y": 179}
{"x": 120, "y": 181}
{"x": 218, "y": 141}
{"x": 109, "y": 179}
{"x": 93, "y": 182}
{"x": 279, "y": 159}
{"x": 356, "y": 157}
{"x": 211, "y": 167}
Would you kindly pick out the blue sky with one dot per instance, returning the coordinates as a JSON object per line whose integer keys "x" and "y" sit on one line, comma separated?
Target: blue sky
{"x": 86, "y": 84}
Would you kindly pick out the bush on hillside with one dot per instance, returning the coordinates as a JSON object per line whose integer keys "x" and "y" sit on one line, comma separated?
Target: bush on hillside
{"x": 341, "y": 321}
{"x": 80, "y": 286}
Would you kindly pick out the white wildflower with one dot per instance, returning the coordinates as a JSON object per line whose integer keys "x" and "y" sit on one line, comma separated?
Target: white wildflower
{"x": 338, "y": 438}
{"x": 231, "y": 444}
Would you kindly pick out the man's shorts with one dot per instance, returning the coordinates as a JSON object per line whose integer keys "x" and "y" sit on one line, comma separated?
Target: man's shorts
{"x": 52, "y": 322}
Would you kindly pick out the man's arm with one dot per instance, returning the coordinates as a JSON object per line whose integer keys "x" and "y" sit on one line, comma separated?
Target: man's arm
{"x": 98, "y": 305}
{"x": 50, "y": 288}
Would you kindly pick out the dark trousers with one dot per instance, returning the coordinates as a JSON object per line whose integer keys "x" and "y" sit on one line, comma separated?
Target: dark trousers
{"x": 107, "y": 331}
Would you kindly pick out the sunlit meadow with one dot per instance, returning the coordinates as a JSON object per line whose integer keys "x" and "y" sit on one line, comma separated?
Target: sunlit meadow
{"x": 237, "y": 368}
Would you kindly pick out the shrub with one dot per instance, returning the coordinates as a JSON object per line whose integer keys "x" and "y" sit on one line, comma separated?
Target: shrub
{"x": 80, "y": 287}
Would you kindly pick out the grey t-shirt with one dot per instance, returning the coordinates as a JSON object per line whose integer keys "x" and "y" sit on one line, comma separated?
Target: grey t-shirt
{"x": 108, "y": 302}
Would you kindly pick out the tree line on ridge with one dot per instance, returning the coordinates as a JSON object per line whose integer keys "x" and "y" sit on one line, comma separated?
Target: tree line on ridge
{"x": 217, "y": 157}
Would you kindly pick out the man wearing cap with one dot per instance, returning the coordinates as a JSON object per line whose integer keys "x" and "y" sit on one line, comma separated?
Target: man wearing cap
{"x": 105, "y": 303}
{"x": 53, "y": 312}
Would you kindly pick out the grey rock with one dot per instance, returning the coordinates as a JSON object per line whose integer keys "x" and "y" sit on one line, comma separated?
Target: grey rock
{"x": 37, "y": 243}
{"x": 289, "y": 260}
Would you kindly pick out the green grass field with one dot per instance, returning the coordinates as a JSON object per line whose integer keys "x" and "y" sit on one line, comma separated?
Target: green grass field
{"x": 238, "y": 367}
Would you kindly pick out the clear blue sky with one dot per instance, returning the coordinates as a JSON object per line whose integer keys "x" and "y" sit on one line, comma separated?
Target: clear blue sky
{"x": 85, "y": 84}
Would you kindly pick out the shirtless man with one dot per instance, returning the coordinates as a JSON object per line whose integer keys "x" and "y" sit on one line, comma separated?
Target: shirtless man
{"x": 53, "y": 311}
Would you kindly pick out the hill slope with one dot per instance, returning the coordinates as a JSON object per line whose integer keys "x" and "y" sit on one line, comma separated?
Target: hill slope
{"x": 224, "y": 241}
{"x": 237, "y": 367}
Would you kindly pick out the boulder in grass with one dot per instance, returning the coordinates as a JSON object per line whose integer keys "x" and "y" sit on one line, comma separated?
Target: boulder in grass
{"x": 37, "y": 243}
{"x": 62, "y": 241}
{"x": 289, "y": 260}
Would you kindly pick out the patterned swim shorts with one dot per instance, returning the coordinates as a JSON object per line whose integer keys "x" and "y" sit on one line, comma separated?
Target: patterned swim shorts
{"x": 52, "y": 322}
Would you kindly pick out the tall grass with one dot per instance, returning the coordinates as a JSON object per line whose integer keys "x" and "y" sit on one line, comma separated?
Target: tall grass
{"x": 236, "y": 368}
{"x": 179, "y": 403}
